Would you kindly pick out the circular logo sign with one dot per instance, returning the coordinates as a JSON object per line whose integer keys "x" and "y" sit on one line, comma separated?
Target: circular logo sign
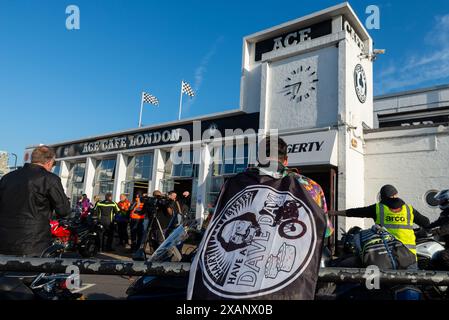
{"x": 260, "y": 242}
{"x": 360, "y": 83}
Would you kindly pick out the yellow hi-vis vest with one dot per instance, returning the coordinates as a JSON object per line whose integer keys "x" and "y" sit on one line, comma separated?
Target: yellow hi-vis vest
{"x": 399, "y": 224}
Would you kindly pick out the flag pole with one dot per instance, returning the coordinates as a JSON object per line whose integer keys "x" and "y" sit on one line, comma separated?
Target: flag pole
{"x": 180, "y": 103}
{"x": 141, "y": 109}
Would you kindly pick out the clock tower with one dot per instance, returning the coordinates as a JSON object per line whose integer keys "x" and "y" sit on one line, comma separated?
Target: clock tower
{"x": 311, "y": 79}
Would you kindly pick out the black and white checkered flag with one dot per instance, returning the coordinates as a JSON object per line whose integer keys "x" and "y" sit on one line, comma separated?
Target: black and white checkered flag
{"x": 148, "y": 98}
{"x": 187, "y": 89}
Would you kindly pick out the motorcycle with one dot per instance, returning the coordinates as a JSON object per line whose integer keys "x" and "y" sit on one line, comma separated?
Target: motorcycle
{"x": 168, "y": 287}
{"x": 26, "y": 286}
{"x": 77, "y": 235}
{"x": 427, "y": 251}
{"x": 349, "y": 258}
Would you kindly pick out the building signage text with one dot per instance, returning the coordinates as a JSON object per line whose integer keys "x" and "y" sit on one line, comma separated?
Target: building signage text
{"x": 158, "y": 136}
{"x": 292, "y": 38}
{"x": 312, "y": 148}
{"x": 354, "y": 36}
{"x": 137, "y": 140}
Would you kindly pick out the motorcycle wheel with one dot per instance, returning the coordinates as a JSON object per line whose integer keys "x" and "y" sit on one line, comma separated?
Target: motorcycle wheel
{"x": 292, "y": 229}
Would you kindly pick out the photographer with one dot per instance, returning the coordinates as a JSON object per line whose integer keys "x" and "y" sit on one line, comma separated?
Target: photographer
{"x": 155, "y": 208}
{"x": 174, "y": 211}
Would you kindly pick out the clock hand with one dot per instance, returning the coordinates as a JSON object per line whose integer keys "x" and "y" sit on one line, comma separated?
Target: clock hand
{"x": 297, "y": 89}
{"x": 293, "y": 84}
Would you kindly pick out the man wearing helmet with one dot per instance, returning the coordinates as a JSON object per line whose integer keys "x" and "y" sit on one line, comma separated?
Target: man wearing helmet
{"x": 392, "y": 213}
{"x": 442, "y": 226}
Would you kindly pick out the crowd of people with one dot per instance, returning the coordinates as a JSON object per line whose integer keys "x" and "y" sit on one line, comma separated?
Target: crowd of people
{"x": 30, "y": 196}
{"x": 128, "y": 220}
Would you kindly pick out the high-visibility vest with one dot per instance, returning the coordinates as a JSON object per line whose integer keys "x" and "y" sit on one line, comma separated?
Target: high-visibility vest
{"x": 124, "y": 207}
{"x": 135, "y": 213}
{"x": 399, "y": 224}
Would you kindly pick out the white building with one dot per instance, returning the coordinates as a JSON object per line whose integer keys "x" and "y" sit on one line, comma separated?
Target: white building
{"x": 310, "y": 78}
{"x": 4, "y": 159}
{"x": 410, "y": 146}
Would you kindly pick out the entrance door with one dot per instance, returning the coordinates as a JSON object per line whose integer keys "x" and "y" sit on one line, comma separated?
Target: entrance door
{"x": 326, "y": 177}
{"x": 140, "y": 187}
{"x": 180, "y": 186}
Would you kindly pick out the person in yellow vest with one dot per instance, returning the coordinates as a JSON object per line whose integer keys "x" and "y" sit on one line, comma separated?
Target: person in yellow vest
{"x": 393, "y": 214}
{"x": 136, "y": 220}
{"x": 105, "y": 211}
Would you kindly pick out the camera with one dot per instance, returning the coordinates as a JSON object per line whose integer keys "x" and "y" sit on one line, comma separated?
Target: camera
{"x": 154, "y": 204}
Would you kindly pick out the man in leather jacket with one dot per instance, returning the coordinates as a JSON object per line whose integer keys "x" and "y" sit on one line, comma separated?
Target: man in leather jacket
{"x": 440, "y": 227}
{"x": 28, "y": 198}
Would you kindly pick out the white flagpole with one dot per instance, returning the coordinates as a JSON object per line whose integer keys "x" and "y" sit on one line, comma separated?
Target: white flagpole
{"x": 180, "y": 103}
{"x": 141, "y": 109}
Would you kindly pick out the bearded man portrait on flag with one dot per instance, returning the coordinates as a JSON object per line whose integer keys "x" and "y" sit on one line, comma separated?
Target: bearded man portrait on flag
{"x": 265, "y": 238}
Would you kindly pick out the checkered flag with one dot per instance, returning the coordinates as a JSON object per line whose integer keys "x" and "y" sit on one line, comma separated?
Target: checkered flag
{"x": 187, "y": 89}
{"x": 148, "y": 98}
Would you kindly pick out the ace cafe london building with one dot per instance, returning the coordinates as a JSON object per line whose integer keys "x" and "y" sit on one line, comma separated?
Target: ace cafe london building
{"x": 309, "y": 78}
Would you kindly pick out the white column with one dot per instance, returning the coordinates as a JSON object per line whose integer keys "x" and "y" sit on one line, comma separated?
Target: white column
{"x": 158, "y": 170}
{"x": 120, "y": 176}
{"x": 89, "y": 178}
{"x": 64, "y": 174}
{"x": 203, "y": 176}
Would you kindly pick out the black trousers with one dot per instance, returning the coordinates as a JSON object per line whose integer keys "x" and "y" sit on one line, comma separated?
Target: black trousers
{"x": 107, "y": 236}
{"x": 136, "y": 226}
{"x": 122, "y": 228}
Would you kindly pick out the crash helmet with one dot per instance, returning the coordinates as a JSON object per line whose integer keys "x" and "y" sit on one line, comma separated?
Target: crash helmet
{"x": 443, "y": 199}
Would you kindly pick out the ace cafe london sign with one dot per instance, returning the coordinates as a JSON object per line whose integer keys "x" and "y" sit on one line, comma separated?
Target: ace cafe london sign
{"x": 292, "y": 38}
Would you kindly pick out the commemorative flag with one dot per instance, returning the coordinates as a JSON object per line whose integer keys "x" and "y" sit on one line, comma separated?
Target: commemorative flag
{"x": 264, "y": 241}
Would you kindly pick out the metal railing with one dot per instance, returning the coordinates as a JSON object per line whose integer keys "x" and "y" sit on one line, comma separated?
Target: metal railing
{"x": 181, "y": 269}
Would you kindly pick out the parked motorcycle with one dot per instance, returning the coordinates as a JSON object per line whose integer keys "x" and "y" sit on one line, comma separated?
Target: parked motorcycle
{"x": 427, "y": 251}
{"x": 28, "y": 286}
{"x": 77, "y": 235}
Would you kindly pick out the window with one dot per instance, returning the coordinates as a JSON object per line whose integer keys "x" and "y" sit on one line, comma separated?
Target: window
{"x": 185, "y": 170}
{"x": 140, "y": 167}
{"x": 105, "y": 175}
{"x": 233, "y": 160}
{"x": 429, "y": 198}
{"x": 57, "y": 169}
{"x": 75, "y": 183}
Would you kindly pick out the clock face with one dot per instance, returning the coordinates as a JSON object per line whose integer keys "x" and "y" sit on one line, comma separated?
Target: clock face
{"x": 360, "y": 83}
{"x": 301, "y": 83}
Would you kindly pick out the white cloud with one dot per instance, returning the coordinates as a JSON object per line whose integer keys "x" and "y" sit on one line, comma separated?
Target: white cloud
{"x": 423, "y": 67}
{"x": 201, "y": 70}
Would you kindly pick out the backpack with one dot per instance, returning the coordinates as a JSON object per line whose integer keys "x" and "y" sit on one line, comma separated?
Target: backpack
{"x": 376, "y": 246}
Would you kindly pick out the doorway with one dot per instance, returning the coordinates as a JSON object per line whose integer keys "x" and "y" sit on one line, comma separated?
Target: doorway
{"x": 140, "y": 187}
{"x": 326, "y": 177}
{"x": 181, "y": 185}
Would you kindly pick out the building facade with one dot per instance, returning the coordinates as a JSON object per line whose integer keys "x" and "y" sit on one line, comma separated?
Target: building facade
{"x": 311, "y": 79}
{"x": 4, "y": 159}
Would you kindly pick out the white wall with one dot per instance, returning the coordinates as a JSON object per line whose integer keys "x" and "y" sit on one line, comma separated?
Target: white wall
{"x": 413, "y": 160}
{"x": 352, "y": 112}
{"x": 120, "y": 176}
{"x": 319, "y": 109}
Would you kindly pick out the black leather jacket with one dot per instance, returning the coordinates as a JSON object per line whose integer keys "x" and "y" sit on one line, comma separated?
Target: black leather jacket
{"x": 28, "y": 198}
{"x": 443, "y": 227}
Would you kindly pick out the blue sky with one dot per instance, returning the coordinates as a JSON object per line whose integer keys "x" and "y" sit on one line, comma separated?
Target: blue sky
{"x": 57, "y": 85}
